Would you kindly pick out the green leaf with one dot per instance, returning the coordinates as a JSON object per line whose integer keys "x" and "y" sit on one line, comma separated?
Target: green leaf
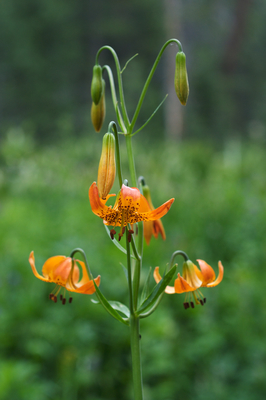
{"x": 117, "y": 306}
{"x": 145, "y": 290}
{"x": 118, "y": 245}
{"x": 107, "y": 305}
{"x": 157, "y": 290}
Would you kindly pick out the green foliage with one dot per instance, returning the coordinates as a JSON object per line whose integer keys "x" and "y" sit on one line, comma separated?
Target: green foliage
{"x": 50, "y": 351}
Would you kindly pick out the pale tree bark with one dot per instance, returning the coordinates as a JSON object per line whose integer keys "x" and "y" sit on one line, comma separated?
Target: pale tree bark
{"x": 173, "y": 109}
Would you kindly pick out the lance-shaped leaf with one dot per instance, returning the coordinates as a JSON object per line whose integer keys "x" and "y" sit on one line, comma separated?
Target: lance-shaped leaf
{"x": 145, "y": 290}
{"x": 109, "y": 308}
{"x": 157, "y": 291}
{"x": 117, "y": 306}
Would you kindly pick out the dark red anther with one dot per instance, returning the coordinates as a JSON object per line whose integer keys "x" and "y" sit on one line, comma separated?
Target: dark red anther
{"x": 51, "y": 296}
{"x": 130, "y": 231}
{"x": 192, "y": 304}
{"x": 112, "y": 233}
{"x": 201, "y": 302}
{"x": 64, "y": 301}
{"x": 55, "y": 299}
{"x": 119, "y": 236}
{"x": 129, "y": 237}
{"x": 186, "y": 305}
{"x": 204, "y": 299}
{"x": 70, "y": 299}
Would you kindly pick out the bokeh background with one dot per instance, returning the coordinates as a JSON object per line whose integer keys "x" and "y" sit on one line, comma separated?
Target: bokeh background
{"x": 209, "y": 155}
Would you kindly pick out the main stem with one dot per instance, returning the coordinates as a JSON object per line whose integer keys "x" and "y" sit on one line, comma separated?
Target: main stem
{"x": 136, "y": 357}
{"x": 134, "y": 281}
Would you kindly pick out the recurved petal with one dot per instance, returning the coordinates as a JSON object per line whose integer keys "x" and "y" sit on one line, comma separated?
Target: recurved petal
{"x": 32, "y": 264}
{"x": 97, "y": 205}
{"x": 87, "y": 288}
{"x": 181, "y": 285}
{"x": 208, "y": 274}
{"x": 158, "y": 228}
{"x": 157, "y": 277}
{"x": 160, "y": 211}
{"x": 220, "y": 276}
{"x": 148, "y": 230}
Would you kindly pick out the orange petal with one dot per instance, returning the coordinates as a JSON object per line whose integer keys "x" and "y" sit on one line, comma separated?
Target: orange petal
{"x": 32, "y": 264}
{"x": 148, "y": 229}
{"x": 157, "y": 277}
{"x": 208, "y": 274}
{"x": 160, "y": 211}
{"x": 182, "y": 286}
{"x": 220, "y": 276}
{"x": 97, "y": 205}
{"x": 87, "y": 288}
{"x": 57, "y": 266}
{"x": 132, "y": 193}
{"x": 158, "y": 228}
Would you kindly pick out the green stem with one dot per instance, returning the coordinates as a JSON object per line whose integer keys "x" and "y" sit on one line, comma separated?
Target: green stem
{"x": 134, "y": 334}
{"x": 112, "y": 125}
{"x": 177, "y": 253}
{"x": 131, "y": 161}
{"x": 134, "y": 119}
{"x": 136, "y": 357}
{"x": 114, "y": 98}
{"x": 119, "y": 80}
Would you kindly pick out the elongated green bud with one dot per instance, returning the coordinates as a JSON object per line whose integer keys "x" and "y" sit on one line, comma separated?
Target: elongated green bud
{"x": 181, "y": 78}
{"x": 98, "y": 111}
{"x": 107, "y": 167}
{"x": 96, "y": 84}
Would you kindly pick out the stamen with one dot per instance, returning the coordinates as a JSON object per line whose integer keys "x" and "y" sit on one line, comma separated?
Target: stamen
{"x": 186, "y": 305}
{"x": 119, "y": 236}
{"x": 129, "y": 237}
{"x": 70, "y": 299}
{"x": 112, "y": 233}
{"x": 64, "y": 301}
{"x": 131, "y": 231}
{"x": 204, "y": 300}
{"x": 55, "y": 299}
{"x": 51, "y": 296}
{"x": 201, "y": 302}
{"x": 192, "y": 304}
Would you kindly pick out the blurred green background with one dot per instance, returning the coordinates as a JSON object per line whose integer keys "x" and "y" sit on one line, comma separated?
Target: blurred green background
{"x": 209, "y": 155}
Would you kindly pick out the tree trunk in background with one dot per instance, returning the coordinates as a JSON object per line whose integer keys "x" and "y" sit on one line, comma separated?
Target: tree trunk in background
{"x": 173, "y": 110}
{"x": 235, "y": 40}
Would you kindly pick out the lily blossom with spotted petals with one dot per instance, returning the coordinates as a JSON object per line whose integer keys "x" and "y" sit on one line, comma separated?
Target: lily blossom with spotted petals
{"x": 58, "y": 269}
{"x": 130, "y": 207}
{"x": 192, "y": 279}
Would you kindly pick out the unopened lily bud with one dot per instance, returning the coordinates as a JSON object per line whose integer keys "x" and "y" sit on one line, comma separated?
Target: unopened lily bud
{"x": 96, "y": 84}
{"x": 107, "y": 168}
{"x": 98, "y": 111}
{"x": 181, "y": 78}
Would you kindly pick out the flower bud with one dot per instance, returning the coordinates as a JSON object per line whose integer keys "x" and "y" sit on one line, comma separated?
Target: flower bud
{"x": 96, "y": 84}
{"x": 181, "y": 78}
{"x": 107, "y": 169}
{"x": 98, "y": 111}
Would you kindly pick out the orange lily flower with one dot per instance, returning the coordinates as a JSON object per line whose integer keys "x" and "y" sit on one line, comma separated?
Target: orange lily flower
{"x": 193, "y": 278}
{"x": 130, "y": 207}
{"x": 152, "y": 227}
{"x": 58, "y": 269}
